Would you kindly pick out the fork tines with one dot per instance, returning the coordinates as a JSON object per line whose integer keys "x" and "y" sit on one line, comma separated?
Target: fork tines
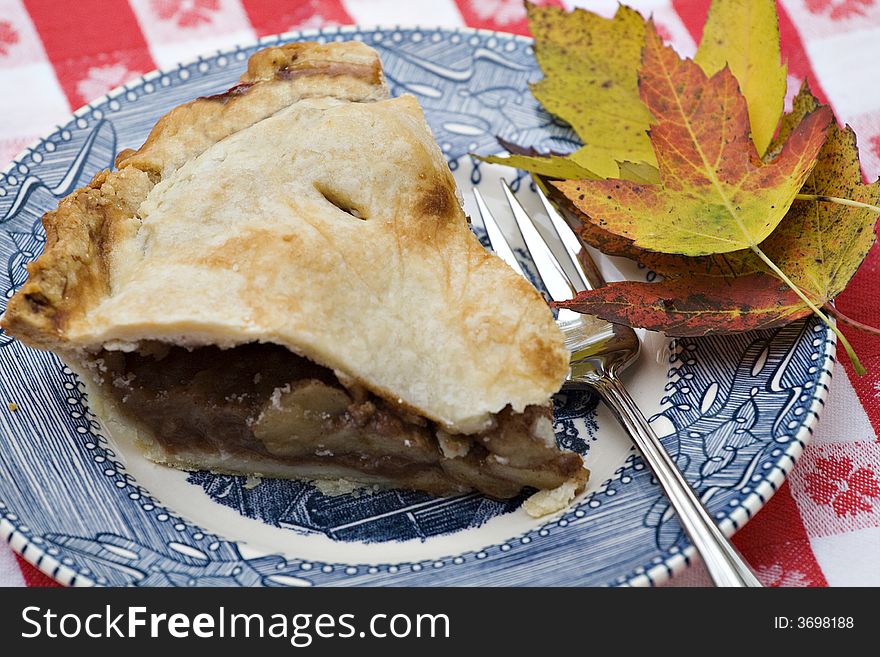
{"x": 559, "y": 284}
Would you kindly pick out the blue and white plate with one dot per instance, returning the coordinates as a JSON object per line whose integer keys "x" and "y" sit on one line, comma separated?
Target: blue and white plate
{"x": 735, "y": 411}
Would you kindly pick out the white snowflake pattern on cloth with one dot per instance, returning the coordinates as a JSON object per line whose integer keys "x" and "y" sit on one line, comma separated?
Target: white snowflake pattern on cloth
{"x": 839, "y": 9}
{"x": 877, "y": 389}
{"x": 186, "y": 13}
{"x": 501, "y": 12}
{"x": 314, "y": 21}
{"x": 8, "y": 37}
{"x": 776, "y": 575}
{"x": 101, "y": 79}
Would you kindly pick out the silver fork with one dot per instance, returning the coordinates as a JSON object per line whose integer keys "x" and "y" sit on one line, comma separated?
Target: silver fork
{"x": 600, "y": 351}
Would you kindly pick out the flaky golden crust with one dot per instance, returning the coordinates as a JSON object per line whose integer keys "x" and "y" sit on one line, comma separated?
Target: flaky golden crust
{"x": 72, "y": 273}
{"x": 302, "y": 208}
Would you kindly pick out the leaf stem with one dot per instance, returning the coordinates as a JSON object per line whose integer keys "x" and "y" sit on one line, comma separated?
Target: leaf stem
{"x": 838, "y": 200}
{"x": 849, "y": 321}
{"x": 857, "y": 365}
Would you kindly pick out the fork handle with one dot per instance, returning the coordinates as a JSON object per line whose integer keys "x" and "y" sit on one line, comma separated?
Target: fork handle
{"x": 724, "y": 563}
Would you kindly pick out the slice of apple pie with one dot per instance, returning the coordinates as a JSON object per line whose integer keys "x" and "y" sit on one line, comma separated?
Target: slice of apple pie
{"x": 281, "y": 281}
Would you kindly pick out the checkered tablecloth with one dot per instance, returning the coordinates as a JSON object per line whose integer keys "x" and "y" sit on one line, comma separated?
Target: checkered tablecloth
{"x": 823, "y": 526}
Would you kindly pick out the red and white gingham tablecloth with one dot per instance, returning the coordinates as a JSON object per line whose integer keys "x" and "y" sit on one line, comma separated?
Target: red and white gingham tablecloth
{"x": 823, "y": 526}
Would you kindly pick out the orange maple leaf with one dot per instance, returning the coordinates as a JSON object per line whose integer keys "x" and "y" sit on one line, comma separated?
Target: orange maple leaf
{"x": 715, "y": 195}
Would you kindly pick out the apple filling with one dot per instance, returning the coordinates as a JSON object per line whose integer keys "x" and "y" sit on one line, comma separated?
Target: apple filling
{"x": 262, "y": 401}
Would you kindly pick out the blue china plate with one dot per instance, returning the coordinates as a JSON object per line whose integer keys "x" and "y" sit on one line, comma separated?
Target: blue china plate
{"x": 87, "y": 509}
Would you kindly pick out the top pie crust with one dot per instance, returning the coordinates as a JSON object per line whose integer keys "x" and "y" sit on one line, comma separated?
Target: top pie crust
{"x": 305, "y": 208}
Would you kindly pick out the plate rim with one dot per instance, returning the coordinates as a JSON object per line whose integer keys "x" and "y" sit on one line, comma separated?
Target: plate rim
{"x": 658, "y": 573}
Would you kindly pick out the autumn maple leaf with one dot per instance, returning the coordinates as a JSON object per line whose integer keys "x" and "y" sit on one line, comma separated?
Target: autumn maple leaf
{"x": 819, "y": 244}
{"x": 716, "y": 195}
{"x": 590, "y": 66}
{"x": 696, "y": 305}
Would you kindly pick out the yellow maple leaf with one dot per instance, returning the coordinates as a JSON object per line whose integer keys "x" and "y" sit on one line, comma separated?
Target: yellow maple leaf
{"x": 590, "y": 66}
{"x": 820, "y": 244}
{"x": 744, "y": 35}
